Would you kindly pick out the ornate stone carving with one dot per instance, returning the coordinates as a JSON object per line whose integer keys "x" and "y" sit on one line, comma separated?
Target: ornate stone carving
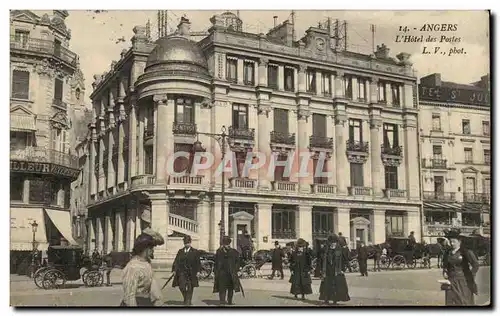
{"x": 303, "y": 114}
{"x": 302, "y": 67}
{"x": 339, "y": 119}
{"x": 220, "y": 61}
{"x": 263, "y": 62}
{"x": 375, "y": 123}
{"x": 356, "y": 158}
{"x": 122, "y": 115}
{"x": 160, "y": 98}
{"x": 263, "y": 110}
{"x": 206, "y": 104}
{"x": 391, "y": 161}
{"x": 220, "y": 103}
{"x": 44, "y": 69}
{"x": 60, "y": 121}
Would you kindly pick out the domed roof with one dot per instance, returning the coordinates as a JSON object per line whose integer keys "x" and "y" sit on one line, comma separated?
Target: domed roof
{"x": 178, "y": 50}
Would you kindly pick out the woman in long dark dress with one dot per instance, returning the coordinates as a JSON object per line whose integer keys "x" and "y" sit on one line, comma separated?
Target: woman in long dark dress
{"x": 460, "y": 266}
{"x": 333, "y": 283}
{"x": 300, "y": 266}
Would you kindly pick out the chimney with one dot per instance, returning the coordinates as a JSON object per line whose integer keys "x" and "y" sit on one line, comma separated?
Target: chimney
{"x": 382, "y": 52}
{"x": 275, "y": 20}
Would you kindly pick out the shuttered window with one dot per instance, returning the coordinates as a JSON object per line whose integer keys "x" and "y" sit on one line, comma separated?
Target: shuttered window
{"x": 20, "y": 84}
{"x": 281, "y": 121}
{"x": 58, "y": 89}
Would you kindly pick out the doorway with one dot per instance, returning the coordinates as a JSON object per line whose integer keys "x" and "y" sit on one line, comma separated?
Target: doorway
{"x": 360, "y": 236}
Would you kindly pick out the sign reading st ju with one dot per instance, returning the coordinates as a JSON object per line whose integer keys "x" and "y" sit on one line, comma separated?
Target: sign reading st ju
{"x": 454, "y": 95}
{"x": 43, "y": 168}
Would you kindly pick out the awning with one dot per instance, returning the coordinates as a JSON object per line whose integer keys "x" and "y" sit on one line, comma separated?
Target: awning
{"x": 20, "y": 122}
{"x": 472, "y": 207}
{"x": 62, "y": 221}
{"x": 21, "y": 232}
{"x": 445, "y": 207}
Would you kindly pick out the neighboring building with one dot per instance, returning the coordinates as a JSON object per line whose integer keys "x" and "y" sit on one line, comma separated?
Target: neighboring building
{"x": 456, "y": 155}
{"x": 46, "y": 87}
{"x": 278, "y": 95}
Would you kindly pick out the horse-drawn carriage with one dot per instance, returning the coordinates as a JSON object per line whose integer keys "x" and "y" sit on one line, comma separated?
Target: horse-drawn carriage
{"x": 400, "y": 254}
{"x": 66, "y": 263}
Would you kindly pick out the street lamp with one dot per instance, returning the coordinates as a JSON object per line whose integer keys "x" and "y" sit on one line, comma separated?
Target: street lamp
{"x": 34, "y": 227}
{"x": 221, "y": 140}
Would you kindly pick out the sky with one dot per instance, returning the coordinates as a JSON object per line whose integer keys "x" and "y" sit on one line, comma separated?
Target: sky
{"x": 96, "y": 36}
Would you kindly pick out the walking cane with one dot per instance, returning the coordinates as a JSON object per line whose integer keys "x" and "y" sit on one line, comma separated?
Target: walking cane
{"x": 169, "y": 279}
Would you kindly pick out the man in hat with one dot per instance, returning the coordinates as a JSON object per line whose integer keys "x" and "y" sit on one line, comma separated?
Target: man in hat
{"x": 343, "y": 244}
{"x": 363, "y": 259}
{"x": 226, "y": 266}
{"x": 186, "y": 267}
{"x": 300, "y": 266}
{"x": 139, "y": 285}
{"x": 277, "y": 260}
{"x": 333, "y": 283}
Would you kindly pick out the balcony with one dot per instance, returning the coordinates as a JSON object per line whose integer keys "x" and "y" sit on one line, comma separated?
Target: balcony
{"x": 439, "y": 229}
{"x": 283, "y": 234}
{"x": 145, "y": 179}
{"x": 321, "y": 188}
{"x": 359, "y": 191}
{"x": 477, "y": 198}
{"x": 59, "y": 104}
{"x": 242, "y": 183}
{"x": 185, "y": 180}
{"x": 439, "y": 196}
{"x": 356, "y": 146}
{"x": 148, "y": 131}
{"x": 394, "y": 193}
{"x": 177, "y": 221}
{"x": 241, "y": 133}
{"x": 438, "y": 163}
{"x": 283, "y": 138}
{"x": 392, "y": 151}
{"x": 43, "y": 47}
{"x": 43, "y": 155}
{"x": 321, "y": 142}
{"x": 184, "y": 128}
{"x": 284, "y": 186}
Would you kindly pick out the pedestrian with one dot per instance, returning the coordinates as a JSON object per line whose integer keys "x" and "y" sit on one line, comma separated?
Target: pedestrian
{"x": 139, "y": 285}
{"x": 226, "y": 266}
{"x": 333, "y": 285}
{"x": 186, "y": 267}
{"x": 363, "y": 259}
{"x": 412, "y": 240}
{"x": 377, "y": 254}
{"x": 319, "y": 259}
{"x": 300, "y": 266}
{"x": 277, "y": 260}
{"x": 460, "y": 266}
{"x": 107, "y": 264}
{"x": 345, "y": 249}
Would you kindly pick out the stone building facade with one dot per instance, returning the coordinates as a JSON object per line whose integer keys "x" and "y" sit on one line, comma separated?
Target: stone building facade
{"x": 46, "y": 88}
{"x": 456, "y": 155}
{"x": 274, "y": 95}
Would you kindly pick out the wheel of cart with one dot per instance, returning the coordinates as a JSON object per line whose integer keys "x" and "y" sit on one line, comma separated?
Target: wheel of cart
{"x": 412, "y": 263}
{"x": 53, "y": 279}
{"x": 93, "y": 278}
{"x": 385, "y": 262}
{"x": 354, "y": 265}
{"x": 248, "y": 271}
{"x": 38, "y": 276}
{"x": 398, "y": 262}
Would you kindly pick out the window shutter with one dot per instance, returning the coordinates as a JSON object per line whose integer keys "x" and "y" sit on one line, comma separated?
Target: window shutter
{"x": 58, "y": 89}
{"x": 20, "y": 84}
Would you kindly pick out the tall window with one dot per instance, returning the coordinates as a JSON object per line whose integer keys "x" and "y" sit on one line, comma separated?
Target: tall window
{"x": 240, "y": 116}
{"x": 22, "y": 37}
{"x": 468, "y": 155}
{"x": 279, "y": 171}
{"x": 319, "y": 125}
{"x": 437, "y": 151}
{"x": 391, "y": 177}
{"x": 436, "y": 122}
{"x": 322, "y": 223}
{"x": 311, "y": 80}
{"x": 487, "y": 156}
{"x": 355, "y": 130}
{"x": 289, "y": 78}
{"x": 438, "y": 184}
{"x": 348, "y": 87}
{"x": 486, "y": 128}
{"x": 240, "y": 157}
{"x": 57, "y": 47}
{"x": 466, "y": 127}
{"x": 249, "y": 73}
{"x": 16, "y": 187}
{"x": 326, "y": 84}
{"x": 320, "y": 179}
{"x": 232, "y": 69}
{"x": 148, "y": 160}
{"x": 272, "y": 76}
{"x": 59, "y": 142}
{"x": 361, "y": 89}
{"x": 20, "y": 84}
{"x": 184, "y": 111}
{"x": 20, "y": 140}
{"x": 396, "y": 96}
{"x": 184, "y": 163}
{"x": 390, "y": 135}
{"x": 396, "y": 224}
{"x": 357, "y": 175}
{"x": 381, "y": 91}
{"x": 283, "y": 223}
{"x": 281, "y": 121}
{"x": 58, "y": 89}
{"x": 470, "y": 185}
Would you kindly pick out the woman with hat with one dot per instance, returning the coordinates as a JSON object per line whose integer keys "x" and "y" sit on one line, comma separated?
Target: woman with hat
{"x": 300, "y": 266}
{"x": 186, "y": 267}
{"x": 139, "y": 286}
{"x": 226, "y": 267}
{"x": 460, "y": 266}
{"x": 333, "y": 283}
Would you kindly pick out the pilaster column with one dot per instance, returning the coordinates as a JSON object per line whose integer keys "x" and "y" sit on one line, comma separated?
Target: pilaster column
{"x": 263, "y": 72}
{"x": 303, "y": 217}
{"x": 203, "y": 217}
{"x": 407, "y": 95}
{"x": 302, "y": 80}
{"x": 102, "y": 176}
{"x": 263, "y": 222}
{"x": 264, "y": 139}
{"x": 130, "y": 229}
{"x": 119, "y": 219}
{"x": 140, "y": 143}
{"x": 375, "y": 153}
{"x": 92, "y": 153}
{"x": 111, "y": 143}
{"x": 90, "y": 235}
{"x": 132, "y": 142}
{"x": 303, "y": 145}
{"x": 108, "y": 234}
{"x": 411, "y": 151}
{"x": 138, "y": 229}
{"x": 319, "y": 79}
{"x": 281, "y": 77}
{"x": 355, "y": 88}
{"x": 159, "y": 223}
{"x": 99, "y": 234}
{"x": 342, "y": 224}
{"x": 239, "y": 70}
{"x": 373, "y": 93}
{"x": 379, "y": 233}
{"x": 388, "y": 93}
{"x": 339, "y": 88}
{"x": 162, "y": 143}
{"x": 342, "y": 167}
{"x": 121, "y": 161}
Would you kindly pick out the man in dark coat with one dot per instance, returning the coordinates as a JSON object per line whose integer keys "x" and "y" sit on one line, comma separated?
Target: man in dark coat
{"x": 412, "y": 241}
{"x": 319, "y": 259}
{"x": 377, "y": 255}
{"x": 226, "y": 272}
{"x": 343, "y": 244}
{"x": 333, "y": 285}
{"x": 363, "y": 259}
{"x": 107, "y": 263}
{"x": 277, "y": 260}
{"x": 300, "y": 266}
{"x": 186, "y": 267}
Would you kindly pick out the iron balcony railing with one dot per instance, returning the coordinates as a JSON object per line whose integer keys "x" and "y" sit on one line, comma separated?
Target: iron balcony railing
{"x": 392, "y": 150}
{"x": 283, "y": 138}
{"x": 184, "y": 128}
{"x": 41, "y": 46}
{"x": 358, "y": 146}
{"x": 438, "y": 163}
{"x": 59, "y": 104}
{"x": 241, "y": 133}
{"x": 321, "y": 142}
{"x": 439, "y": 196}
{"x": 477, "y": 198}
{"x": 36, "y": 154}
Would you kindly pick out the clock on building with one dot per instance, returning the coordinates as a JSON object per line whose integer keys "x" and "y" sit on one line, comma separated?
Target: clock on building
{"x": 320, "y": 44}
